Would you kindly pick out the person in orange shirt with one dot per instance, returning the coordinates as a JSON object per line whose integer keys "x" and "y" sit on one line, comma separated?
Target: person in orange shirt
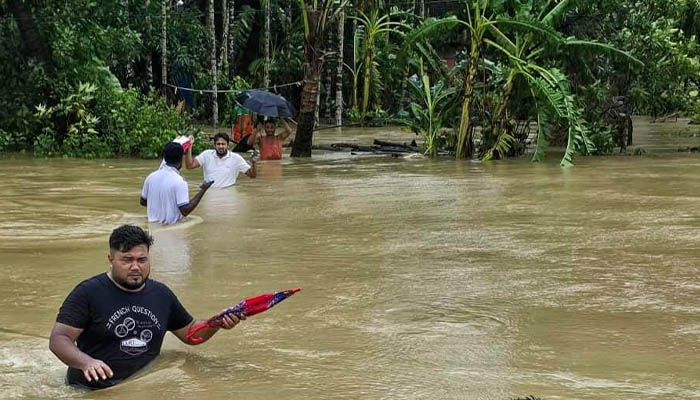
{"x": 269, "y": 142}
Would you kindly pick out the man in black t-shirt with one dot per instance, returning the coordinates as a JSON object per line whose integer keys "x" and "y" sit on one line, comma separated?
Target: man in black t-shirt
{"x": 119, "y": 319}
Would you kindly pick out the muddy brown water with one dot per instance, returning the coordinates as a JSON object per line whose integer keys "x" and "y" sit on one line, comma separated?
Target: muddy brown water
{"x": 422, "y": 279}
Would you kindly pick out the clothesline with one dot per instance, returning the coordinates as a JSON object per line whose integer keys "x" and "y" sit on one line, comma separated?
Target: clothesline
{"x": 201, "y": 91}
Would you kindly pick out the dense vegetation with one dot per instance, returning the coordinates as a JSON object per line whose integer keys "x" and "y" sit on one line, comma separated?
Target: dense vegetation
{"x": 473, "y": 78}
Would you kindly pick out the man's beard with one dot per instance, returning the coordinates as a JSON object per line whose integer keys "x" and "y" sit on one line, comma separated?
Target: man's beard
{"x": 130, "y": 284}
{"x": 221, "y": 153}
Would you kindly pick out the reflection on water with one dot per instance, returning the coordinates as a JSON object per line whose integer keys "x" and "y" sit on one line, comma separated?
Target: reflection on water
{"x": 421, "y": 278}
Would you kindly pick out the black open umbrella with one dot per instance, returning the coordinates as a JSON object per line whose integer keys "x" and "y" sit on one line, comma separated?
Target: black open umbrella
{"x": 266, "y": 103}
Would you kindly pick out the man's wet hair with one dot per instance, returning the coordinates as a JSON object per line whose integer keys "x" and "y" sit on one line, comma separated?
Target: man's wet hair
{"x": 126, "y": 237}
{"x": 221, "y": 135}
{"x": 172, "y": 153}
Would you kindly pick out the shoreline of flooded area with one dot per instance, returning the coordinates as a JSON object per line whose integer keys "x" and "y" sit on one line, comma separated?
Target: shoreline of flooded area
{"x": 422, "y": 278}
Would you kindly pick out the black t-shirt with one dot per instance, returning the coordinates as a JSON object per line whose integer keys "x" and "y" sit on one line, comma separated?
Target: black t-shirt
{"x": 123, "y": 329}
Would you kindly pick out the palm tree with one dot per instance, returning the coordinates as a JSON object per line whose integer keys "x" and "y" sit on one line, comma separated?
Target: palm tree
{"x": 316, "y": 15}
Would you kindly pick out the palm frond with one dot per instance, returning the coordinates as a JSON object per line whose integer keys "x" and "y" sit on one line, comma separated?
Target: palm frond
{"x": 603, "y": 48}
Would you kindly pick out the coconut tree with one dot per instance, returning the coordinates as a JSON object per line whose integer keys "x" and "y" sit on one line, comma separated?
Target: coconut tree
{"x": 316, "y": 16}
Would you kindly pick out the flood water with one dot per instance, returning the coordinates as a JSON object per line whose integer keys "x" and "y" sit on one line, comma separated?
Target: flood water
{"x": 422, "y": 279}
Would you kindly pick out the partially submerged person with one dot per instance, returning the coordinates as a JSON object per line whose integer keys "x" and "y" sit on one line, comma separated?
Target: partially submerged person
{"x": 219, "y": 164}
{"x": 269, "y": 141}
{"x": 242, "y": 129}
{"x": 165, "y": 193}
{"x": 113, "y": 324}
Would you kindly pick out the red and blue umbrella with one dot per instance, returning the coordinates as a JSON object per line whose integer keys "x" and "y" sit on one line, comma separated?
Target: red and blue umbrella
{"x": 246, "y": 308}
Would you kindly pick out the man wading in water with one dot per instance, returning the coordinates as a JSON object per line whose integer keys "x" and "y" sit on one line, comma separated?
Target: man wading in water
{"x": 165, "y": 194}
{"x": 119, "y": 318}
{"x": 219, "y": 164}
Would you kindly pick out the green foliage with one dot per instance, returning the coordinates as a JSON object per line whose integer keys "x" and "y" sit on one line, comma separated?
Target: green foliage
{"x": 429, "y": 116}
{"x": 130, "y": 124}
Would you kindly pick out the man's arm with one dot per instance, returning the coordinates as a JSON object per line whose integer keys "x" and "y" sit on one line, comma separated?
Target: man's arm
{"x": 190, "y": 162}
{"x": 287, "y": 131}
{"x": 252, "y": 172}
{"x": 144, "y": 202}
{"x": 189, "y": 207}
{"x": 253, "y": 137}
{"x": 62, "y": 344}
{"x": 227, "y": 322}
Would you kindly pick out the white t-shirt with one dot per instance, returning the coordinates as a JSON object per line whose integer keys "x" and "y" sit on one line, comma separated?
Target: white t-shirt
{"x": 223, "y": 170}
{"x": 165, "y": 191}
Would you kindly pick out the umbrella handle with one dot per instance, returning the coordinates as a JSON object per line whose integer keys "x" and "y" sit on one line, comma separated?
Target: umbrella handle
{"x": 200, "y": 327}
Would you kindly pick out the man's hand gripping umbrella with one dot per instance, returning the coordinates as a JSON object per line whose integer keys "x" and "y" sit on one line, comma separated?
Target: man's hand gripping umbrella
{"x": 246, "y": 308}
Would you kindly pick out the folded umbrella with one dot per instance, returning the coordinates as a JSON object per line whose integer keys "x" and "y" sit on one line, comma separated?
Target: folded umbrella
{"x": 266, "y": 103}
{"x": 247, "y": 307}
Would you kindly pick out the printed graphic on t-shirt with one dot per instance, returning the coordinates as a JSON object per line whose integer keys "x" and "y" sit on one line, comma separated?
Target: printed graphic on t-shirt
{"x": 134, "y": 325}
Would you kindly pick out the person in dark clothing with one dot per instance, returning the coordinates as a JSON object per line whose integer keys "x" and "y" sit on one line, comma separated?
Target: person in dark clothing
{"x": 113, "y": 324}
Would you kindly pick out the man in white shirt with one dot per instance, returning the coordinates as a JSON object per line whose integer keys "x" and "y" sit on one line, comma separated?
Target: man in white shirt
{"x": 165, "y": 194}
{"x": 220, "y": 164}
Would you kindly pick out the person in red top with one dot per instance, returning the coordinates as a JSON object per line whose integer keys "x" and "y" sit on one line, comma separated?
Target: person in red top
{"x": 269, "y": 142}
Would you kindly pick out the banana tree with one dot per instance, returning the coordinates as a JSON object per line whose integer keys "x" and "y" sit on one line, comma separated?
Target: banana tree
{"x": 316, "y": 16}
{"x": 429, "y": 115}
{"x": 477, "y": 24}
{"x": 530, "y": 43}
{"x": 416, "y": 43}
{"x": 375, "y": 26}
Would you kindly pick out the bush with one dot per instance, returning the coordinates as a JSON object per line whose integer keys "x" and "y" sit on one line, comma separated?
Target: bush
{"x": 93, "y": 123}
{"x": 137, "y": 125}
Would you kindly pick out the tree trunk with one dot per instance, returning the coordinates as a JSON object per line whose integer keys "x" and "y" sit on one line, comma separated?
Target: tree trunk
{"x": 149, "y": 57}
{"x": 289, "y": 12}
{"x": 212, "y": 60}
{"x": 339, "y": 71}
{"x": 329, "y": 82}
{"x": 465, "y": 145}
{"x": 318, "y": 102}
{"x": 231, "y": 49}
{"x": 305, "y": 127}
{"x": 223, "y": 57}
{"x": 266, "y": 67}
{"x": 34, "y": 46}
{"x": 369, "y": 59}
{"x": 163, "y": 45}
{"x": 404, "y": 82}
